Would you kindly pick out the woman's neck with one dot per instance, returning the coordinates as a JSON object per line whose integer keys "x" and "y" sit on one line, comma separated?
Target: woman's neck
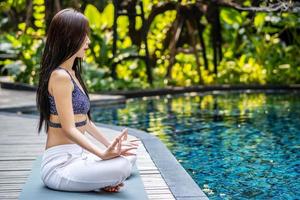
{"x": 68, "y": 64}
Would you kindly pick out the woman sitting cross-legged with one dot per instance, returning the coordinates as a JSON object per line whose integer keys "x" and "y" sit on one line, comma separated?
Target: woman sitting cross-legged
{"x": 71, "y": 162}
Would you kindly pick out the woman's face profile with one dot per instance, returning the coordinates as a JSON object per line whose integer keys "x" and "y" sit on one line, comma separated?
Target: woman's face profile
{"x": 85, "y": 45}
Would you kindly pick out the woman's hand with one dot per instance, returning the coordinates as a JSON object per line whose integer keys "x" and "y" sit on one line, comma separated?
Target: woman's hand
{"x": 115, "y": 150}
{"x": 130, "y": 142}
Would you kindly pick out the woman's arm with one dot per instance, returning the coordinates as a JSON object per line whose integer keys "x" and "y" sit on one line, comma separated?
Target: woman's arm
{"x": 62, "y": 92}
{"x": 92, "y": 129}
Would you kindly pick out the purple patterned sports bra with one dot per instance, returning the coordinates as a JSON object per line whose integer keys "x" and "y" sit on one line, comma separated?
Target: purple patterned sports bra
{"x": 80, "y": 102}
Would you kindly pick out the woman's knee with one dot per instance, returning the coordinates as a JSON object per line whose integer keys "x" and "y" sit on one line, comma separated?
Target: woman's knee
{"x": 124, "y": 168}
{"x": 132, "y": 159}
{"x": 120, "y": 172}
{"x": 117, "y": 170}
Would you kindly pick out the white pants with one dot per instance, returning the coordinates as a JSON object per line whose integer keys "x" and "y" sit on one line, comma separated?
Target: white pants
{"x": 69, "y": 167}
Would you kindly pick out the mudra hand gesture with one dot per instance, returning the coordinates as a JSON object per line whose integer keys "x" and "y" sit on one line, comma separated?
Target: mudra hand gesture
{"x": 115, "y": 148}
{"x": 125, "y": 142}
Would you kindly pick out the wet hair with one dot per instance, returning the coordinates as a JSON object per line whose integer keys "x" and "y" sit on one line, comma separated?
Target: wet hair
{"x": 66, "y": 34}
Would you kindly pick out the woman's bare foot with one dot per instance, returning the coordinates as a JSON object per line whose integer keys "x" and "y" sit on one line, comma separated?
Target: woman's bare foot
{"x": 113, "y": 188}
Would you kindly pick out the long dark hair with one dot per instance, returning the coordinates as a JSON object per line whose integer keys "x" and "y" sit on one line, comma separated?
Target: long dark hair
{"x": 65, "y": 36}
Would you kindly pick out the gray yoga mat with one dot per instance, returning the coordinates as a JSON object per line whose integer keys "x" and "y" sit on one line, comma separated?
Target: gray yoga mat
{"x": 34, "y": 188}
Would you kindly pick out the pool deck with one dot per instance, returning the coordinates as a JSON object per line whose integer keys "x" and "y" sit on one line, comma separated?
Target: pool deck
{"x": 163, "y": 176}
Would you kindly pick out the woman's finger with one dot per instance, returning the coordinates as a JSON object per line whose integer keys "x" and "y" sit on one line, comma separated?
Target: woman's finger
{"x": 128, "y": 154}
{"x": 128, "y": 149}
{"x": 132, "y": 143}
{"x": 128, "y": 145}
{"x": 126, "y": 142}
{"x": 122, "y": 134}
{"x": 126, "y": 135}
{"x": 136, "y": 141}
{"x": 119, "y": 146}
{"x": 114, "y": 143}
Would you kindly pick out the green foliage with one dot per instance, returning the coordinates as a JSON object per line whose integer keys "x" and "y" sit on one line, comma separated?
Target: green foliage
{"x": 260, "y": 48}
{"x": 130, "y": 74}
{"x": 258, "y": 43}
{"x": 27, "y": 44}
{"x": 242, "y": 70}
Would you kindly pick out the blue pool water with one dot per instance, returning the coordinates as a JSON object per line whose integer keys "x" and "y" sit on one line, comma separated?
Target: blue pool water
{"x": 235, "y": 146}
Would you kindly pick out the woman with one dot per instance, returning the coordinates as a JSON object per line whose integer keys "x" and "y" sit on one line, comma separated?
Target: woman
{"x": 64, "y": 106}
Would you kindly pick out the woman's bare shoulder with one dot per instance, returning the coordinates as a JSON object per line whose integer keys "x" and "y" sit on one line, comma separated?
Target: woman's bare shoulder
{"x": 60, "y": 78}
{"x": 60, "y": 74}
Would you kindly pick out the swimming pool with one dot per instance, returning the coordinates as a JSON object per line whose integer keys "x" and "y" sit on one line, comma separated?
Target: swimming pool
{"x": 234, "y": 145}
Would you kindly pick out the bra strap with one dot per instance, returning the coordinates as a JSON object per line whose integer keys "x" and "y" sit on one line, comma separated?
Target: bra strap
{"x": 67, "y": 72}
{"x": 73, "y": 81}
